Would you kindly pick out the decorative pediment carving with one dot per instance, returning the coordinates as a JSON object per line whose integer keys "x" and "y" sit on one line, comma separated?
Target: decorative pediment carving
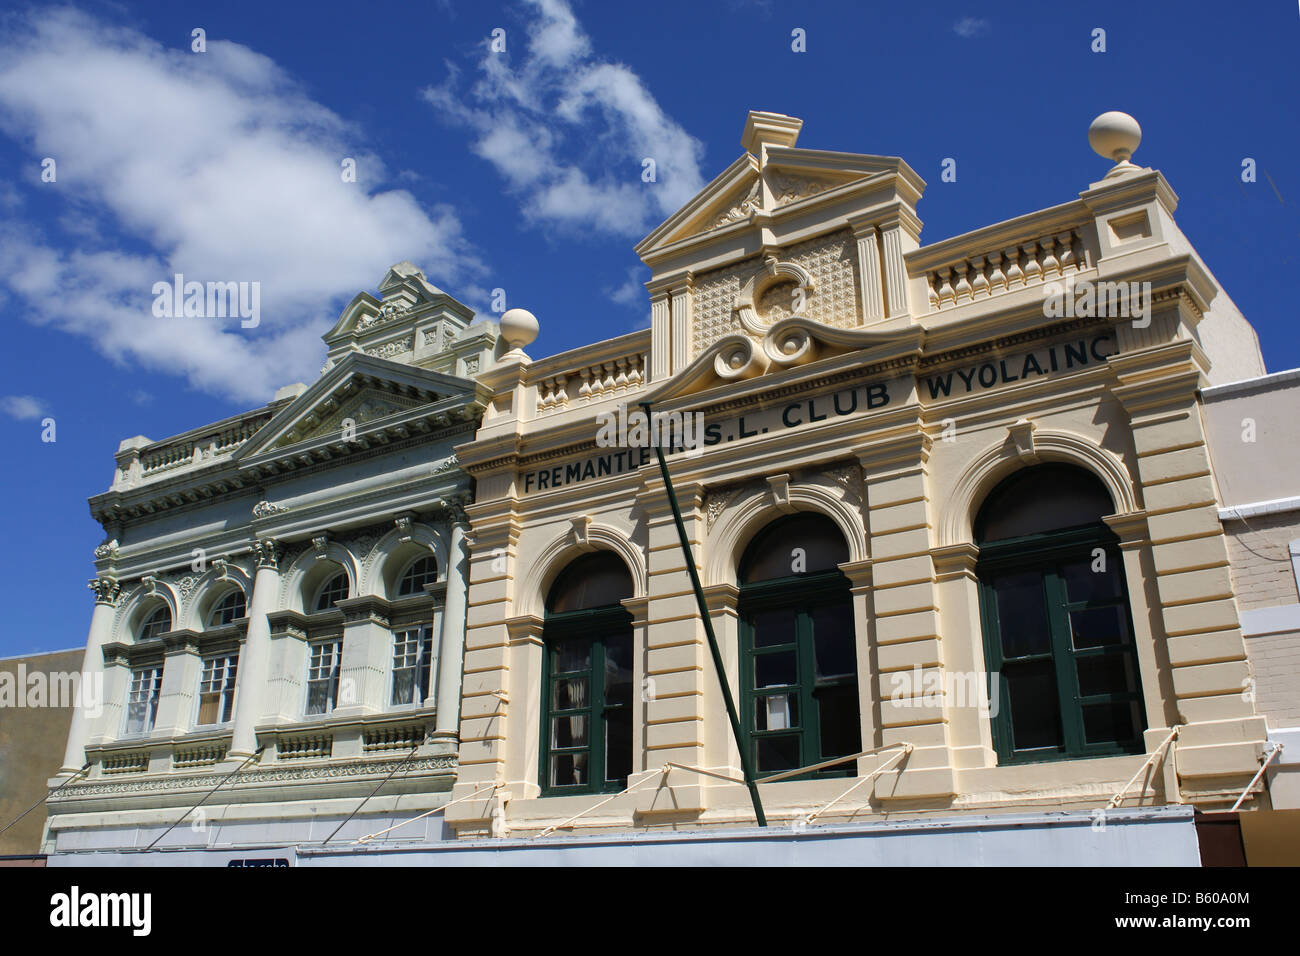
{"x": 788, "y": 343}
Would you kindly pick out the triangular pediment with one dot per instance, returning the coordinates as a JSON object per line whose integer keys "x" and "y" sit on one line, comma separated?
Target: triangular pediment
{"x": 748, "y": 192}
{"x": 368, "y": 393}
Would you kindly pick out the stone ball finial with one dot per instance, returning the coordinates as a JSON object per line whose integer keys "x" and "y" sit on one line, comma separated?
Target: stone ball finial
{"x": 1115, "y": 135}
{"x": 519, "y": 328}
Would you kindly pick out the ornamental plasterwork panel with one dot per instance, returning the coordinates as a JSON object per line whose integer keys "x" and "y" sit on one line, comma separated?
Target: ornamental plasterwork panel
{"x": 388, "y": 312}
{"x": 788, "y": 188}
{"x": 395, "y": 347}
{"x": 356, "y": 768}
{"x": 829, "y": 261}
{"x": 362, "y": 408}
{"x": 747, "y": 205}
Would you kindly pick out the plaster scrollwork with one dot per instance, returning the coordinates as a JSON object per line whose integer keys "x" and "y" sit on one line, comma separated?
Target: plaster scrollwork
{"x": 388, "y": 312}
{"x": 738, "y": 357}
{"x": 264, "y": 509}
{"x": 778, "y": 290}
{"x": 750, "y": 204}
{"x": 107, "y": 550}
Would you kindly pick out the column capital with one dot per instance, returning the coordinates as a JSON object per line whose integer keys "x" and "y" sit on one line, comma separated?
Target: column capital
{"x": 268, "y": 552}
{"x": 107, "y": 591}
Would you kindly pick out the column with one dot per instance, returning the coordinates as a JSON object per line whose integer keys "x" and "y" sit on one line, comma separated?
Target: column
{"x": 107, "y": 596}
{"x": 872, "y": 296}
{"x": 905, "y": 608}
{"x": 255, "y": 660}
{"x": 660, "y": 336}
{"x": 180, "y": 683}
{"x": 685, "y": 711}
{"x": 681, "y": 323}
{"x": 451, "y": 639}
{"x": 895, "y": 268}
{"x": 1219, "y": 749}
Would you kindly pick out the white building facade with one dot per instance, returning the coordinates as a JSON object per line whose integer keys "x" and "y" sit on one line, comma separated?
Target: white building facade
{"x": 282, "y": 594}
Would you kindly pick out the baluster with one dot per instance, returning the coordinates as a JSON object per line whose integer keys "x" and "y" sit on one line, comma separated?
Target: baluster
{"x": 980, "y": 285}
{"x": 1015, "y": 277}
{"x": 1051, "y": 265}
{"x": 946, "y": 293}
{"x": 962, "y": 288}
{"x": 998, "y": 278}
{"x": 1033, "y": 269}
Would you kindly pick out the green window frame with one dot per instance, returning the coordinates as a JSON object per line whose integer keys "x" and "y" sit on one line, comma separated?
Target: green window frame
{"x": 1053, "y": 622}
{"x": 587, "y": 700}
{"x": 772, "y": 669}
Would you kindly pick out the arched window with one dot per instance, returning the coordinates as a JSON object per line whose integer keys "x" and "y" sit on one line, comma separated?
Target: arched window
{"x": 421, "y": 571}
{"x": 230, "y": 608}
{"x": 799, "y": 671}
{"x": 587, "y": 674}
{"x": 158, "y": 622}
{"x": 334, "y": 589}
{"x": 1058, "y": 633}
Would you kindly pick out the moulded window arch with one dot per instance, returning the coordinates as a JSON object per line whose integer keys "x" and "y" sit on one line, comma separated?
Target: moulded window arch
{"x": 799, "y": 674}
{"x": 230, "y": 607}
{"x": 1058, "y": 632}
{"x": 156, "y": 622}
{"x": 587, "y": 678}
{"x": 335, "y": 588}
{"x": 418, "y": 573}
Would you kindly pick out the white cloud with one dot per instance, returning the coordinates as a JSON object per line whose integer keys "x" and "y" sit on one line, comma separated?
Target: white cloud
{"x": 215, "y": 165}
{"x": 632, "y": 291}
{"x": 970, "y": 27}
{"x": 22, "y": 407}
{"x": 570, "y": 131}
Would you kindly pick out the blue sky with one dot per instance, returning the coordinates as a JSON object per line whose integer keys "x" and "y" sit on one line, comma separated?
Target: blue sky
{"x": 522, "y": 170}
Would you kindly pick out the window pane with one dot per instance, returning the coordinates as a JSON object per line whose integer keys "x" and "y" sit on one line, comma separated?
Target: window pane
{"x": 837, "y": 713}
{"x": 404, "y": 686}
{"x": 570, "y": 694}
{"x": 800, "y": 544}
{"x": 422, "y": 572}
{"x": 1040, "y": 499}
{"x": 1035, "y": 712}
{"x": 833, "y": 642}
{"x": 1022, "y": 616}
{"x": 569, "y": 731}
{"x": 618, "y": 745}
{"x": 773, "y": 627}
{"x": 568, "y": 770}
{"x": 777, "y": 753}
{"x": 1082, "y": 583}
{"x": 618, "y": 670}
{"x": 570, "y": 656}
{"x": 208, "y": 708}
{"x": 599, "y": 579}
{"x": 1105, "y": 674}
{"x": 1110, "y": 723}
{"x": 775, "y": 669}
{"x": 776, "y": 712}
{"x": 1098, "y": 627}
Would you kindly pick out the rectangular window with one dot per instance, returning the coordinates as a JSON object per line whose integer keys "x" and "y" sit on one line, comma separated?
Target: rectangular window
{"x": 323, "y": 676}
{"x": 217, "y": 689}
{"x": 142, "y": 699}
{"x": 412, "y": 650}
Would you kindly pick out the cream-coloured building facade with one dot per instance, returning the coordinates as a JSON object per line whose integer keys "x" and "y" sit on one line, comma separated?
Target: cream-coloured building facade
{"x": 882, "y": 448}
{"x": 847, "y": 371}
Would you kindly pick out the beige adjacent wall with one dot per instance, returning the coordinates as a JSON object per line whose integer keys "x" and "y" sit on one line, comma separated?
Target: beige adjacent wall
{"x": 31, "y": 748}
